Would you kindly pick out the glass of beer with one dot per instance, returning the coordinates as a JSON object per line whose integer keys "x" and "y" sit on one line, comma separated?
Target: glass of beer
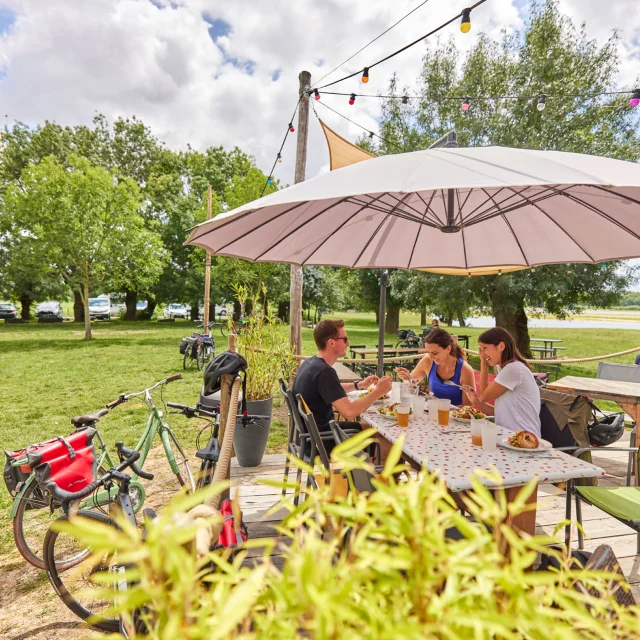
{"x": 444, "y": 405}
{"x": 402, "y": 414}
{"x": 476, "y": 431}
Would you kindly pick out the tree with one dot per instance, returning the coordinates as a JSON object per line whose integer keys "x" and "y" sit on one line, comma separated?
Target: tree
{"x": 549, "y": 56}
{"x": 84, "y": 221}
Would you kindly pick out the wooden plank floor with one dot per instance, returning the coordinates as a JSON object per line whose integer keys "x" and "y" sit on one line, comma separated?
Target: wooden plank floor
{"x": 256, "y": 499}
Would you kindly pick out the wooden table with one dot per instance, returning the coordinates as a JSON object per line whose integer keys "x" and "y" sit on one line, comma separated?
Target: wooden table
{"x": 345, "y": 374}
{"x": 625, "y": 394}
{"x": 462, "y": 338}
{"x": 449, "y": 453}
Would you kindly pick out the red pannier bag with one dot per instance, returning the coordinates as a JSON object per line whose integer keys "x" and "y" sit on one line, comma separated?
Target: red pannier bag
{"x": 69, "y": 462}
{"x": 229, "y": 537}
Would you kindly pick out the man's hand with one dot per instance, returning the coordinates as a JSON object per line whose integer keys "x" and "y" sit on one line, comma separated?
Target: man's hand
{"x": 383, "y": 387}
{"x": 363, "y": 385}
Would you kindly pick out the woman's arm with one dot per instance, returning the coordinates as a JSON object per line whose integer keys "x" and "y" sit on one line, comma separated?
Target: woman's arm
{"x": 484, "y": 375}
{"x": 467, "y": 379}
{"x": 421, "y": 370}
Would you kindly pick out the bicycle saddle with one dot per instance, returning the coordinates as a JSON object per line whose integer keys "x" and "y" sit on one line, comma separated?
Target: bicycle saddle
{"x": 90, "y": 418}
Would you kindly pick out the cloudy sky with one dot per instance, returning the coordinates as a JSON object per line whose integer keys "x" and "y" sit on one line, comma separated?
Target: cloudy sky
{"x": 210, "y": 72}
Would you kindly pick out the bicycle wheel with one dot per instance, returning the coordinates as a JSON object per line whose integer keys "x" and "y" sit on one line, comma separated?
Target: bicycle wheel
{"x": 30, "y": 526}
{"x": 205, "y": 353}
{"x": 224, "y": 329}
{"x": 177, "y": 459}
{"x": 31, "y": 523}
{"x": 188, "y": 359}
{"x": 76, "y": 585}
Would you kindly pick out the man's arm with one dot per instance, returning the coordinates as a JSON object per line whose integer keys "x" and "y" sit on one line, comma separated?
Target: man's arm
{"x": 359, "y": 385}
{"x": 351, "y": 410}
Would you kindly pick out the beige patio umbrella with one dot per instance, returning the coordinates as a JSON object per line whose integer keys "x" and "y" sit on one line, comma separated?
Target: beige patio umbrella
{"x": 454, "y": 210}
{"x": 463, "y": 209}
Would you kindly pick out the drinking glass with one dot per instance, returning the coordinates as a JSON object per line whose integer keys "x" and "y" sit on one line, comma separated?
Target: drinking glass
{"x": 476, "y": 431}
{"x": 444, "y": 405}
{"x": 402, "y": 413}
{"x": 489, "y": 435}
{"x": 432, "y": 406}
{"x": 418, "y": 405}
{"x": 395, "y": 391}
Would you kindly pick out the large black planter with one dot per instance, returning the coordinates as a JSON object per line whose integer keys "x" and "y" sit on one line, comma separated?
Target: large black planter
{"x": 250, "y": 442}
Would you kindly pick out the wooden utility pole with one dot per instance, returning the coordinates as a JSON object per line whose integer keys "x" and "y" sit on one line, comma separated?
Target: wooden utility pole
{"x": 295, "y": 291}
{"x": 207, "y": 271}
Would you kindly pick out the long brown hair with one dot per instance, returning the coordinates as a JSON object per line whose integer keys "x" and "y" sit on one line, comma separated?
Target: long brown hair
{"x": 497, "y": 335}
{"x": 444, "y": 340}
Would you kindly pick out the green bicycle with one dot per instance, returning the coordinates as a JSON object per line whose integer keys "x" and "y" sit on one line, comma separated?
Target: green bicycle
{"x": 31, "y": 512}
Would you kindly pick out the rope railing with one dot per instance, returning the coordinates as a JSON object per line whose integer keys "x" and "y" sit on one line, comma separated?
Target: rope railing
{"x": 417, "y": 356}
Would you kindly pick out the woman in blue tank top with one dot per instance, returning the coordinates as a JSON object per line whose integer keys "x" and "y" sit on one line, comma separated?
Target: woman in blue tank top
{"x": 444, "y": 361}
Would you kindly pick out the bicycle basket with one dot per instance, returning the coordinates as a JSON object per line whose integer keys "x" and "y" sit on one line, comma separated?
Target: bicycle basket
{"x": 15, "y": 476}
{"x": 69, "y": 462}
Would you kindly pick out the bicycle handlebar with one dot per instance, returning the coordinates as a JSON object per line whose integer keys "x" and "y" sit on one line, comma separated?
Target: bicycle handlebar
{"x": 115, "y": 403}
{"x": 130, "y": 454}
{"x": 192, "y": 412}
{"x": 65, "y": 497}
{"x": 178, "y": 376}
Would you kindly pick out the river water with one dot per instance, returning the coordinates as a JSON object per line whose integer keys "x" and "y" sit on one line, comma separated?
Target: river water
{"x": 485, "y": 322}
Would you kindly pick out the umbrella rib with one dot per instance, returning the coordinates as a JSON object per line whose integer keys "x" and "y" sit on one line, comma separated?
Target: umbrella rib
{"x": 515, "y": 237}
{"x": 391, "y": 211}
{"x": 415, "y": 242}
{"x": 513, "y": 207}
{"x": 338, "y": 229}
{"x": 601, "y": 213}
{"x": 290, "y": 233}
{"x": 494, "y": 210}
{"x": 240, "y": 217}
{"x": 428, "y": 206}
{"x": 375, "y": 233}
{"x": 543, "y": 212}
{"x": 408, "y": 206}
{"x": 620, "y": 195}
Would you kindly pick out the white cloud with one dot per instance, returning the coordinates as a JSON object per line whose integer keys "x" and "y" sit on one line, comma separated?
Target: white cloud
{"x": 64, "y": 60}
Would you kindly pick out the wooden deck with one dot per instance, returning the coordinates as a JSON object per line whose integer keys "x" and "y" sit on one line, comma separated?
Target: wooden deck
{"x": 256, "y": 499}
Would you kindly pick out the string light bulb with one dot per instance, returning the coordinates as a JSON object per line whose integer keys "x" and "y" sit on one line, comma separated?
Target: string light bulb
{"x": 371, "y": 135}
{"x": 465, "y": 25}
{"x": 465, "y": 104}
{"x": 635, "y": 98}
{"x": 542, "y": 102}
{"x": 270, "y": 180}
{"x": 316, "y": 94}
{"x": 291, "y": 127}
{"x": 279, "y": 158}
{"x": 365, "y": 75}
{"x": 405, "y": 99}
{"x": 352, "y": 99}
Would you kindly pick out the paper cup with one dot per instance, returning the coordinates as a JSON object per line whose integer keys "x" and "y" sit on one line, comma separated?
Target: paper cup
{"x": 418, "y": 405}
{"x": 402, "y": 414}
{"x": 476, "y": 431}
{"x": 395, "y": 391}
{"x": 444, "y": 407}
{"x": 432, "y": 406}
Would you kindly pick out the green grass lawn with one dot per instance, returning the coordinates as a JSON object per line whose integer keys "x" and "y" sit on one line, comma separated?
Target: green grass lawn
{"x": 49, "y": 374}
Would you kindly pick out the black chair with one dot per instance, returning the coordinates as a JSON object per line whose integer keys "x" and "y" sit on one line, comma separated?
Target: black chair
{"x": 299, "y": 443}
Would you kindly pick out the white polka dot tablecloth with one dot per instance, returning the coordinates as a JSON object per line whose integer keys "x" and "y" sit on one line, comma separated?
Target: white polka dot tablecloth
{"x": 451, "y": 455}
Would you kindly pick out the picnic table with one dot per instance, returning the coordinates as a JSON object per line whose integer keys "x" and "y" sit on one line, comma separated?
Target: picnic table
{"x": 364, "y": 352}
{"x": 625, "y": 394}
{"x": 448, "y": 452}
{"x": 462, "y": 338}
{"x": 345, "y": 374}
{"x": 548, "y": 342}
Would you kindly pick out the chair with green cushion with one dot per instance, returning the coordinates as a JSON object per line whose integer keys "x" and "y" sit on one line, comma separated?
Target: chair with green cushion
{"x": 621, "y": 503}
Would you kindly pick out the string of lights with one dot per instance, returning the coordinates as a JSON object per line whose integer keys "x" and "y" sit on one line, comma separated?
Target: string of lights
{"x": 371, "y": 133}
{"x": 465, "y": 101}
{"x": 404, "y": 17}
{"x": 290, "y": 129}
{"x": 465, "y": 27}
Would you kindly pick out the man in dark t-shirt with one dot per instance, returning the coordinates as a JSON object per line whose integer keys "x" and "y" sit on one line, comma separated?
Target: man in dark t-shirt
{"x": 318, "y": 384}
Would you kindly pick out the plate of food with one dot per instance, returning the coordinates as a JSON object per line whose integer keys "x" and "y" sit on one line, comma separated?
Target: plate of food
{"x": 389, "y": 411}
{"x": 526, "y": 442}
{"x": 370, "y": 388}
{"x": 466, "y": 412}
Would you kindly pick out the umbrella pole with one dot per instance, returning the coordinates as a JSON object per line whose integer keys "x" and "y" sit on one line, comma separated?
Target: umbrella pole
{"x": 381, "y": 319}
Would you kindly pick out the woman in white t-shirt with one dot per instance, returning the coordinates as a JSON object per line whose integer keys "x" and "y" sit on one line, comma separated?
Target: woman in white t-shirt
{"x": 514, "y": 391}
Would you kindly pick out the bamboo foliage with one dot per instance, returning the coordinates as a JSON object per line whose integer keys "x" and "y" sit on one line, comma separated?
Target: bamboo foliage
{"x": 390, "y": 571}
{"x": 264, "y": 332}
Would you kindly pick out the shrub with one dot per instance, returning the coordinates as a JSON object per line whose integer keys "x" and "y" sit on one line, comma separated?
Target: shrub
{"x": 399, "y": 576}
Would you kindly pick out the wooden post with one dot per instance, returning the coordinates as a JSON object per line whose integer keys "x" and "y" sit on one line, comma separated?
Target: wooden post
{"x": 295, "y": 290}
{"x": 207, "y": 271}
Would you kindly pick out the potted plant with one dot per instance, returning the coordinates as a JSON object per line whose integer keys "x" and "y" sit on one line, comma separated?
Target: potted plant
{"x": 265, "y": 346}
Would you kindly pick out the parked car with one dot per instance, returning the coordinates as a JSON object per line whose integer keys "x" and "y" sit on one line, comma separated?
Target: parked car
{"x": 49, "y": 311}
{"x": 221, "y": 311}
{"x": 99, "y": 308}
{"x": 8, "y": 311}
{"x": 176, "y": 311}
